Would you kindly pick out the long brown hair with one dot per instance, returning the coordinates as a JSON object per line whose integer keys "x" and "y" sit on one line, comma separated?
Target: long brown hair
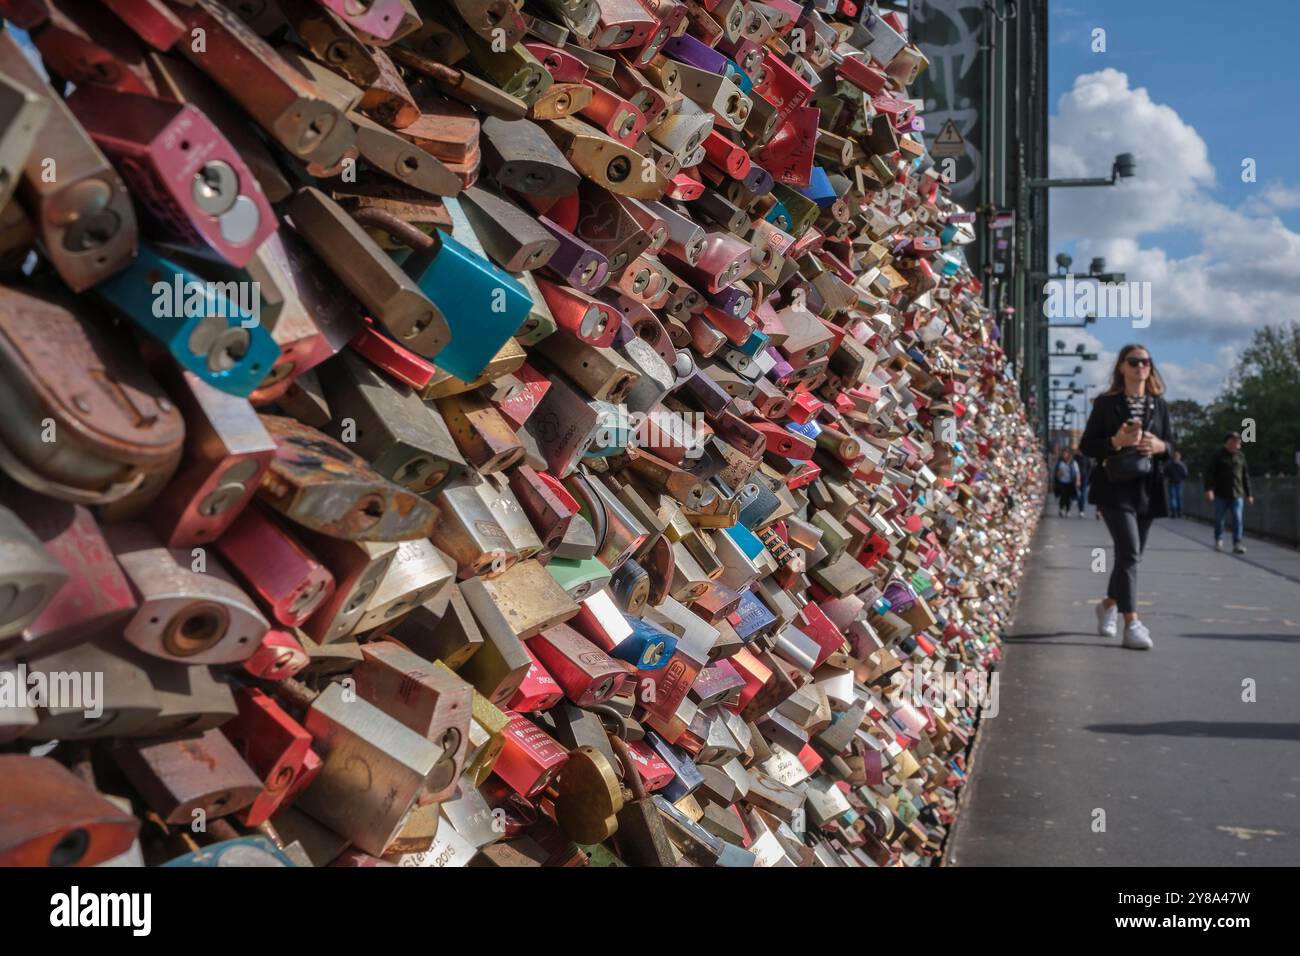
{"x": 1155, "y": 384}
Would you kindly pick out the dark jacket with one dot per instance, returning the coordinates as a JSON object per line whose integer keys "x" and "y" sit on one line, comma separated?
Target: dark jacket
{"x": 1109, "y": 412}
{"x": 1227, "y": 476}
{"x": 1176, "y": 472}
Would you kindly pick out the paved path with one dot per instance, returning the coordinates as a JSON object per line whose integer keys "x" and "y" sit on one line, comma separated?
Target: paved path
{"x": 1185, "y": 770}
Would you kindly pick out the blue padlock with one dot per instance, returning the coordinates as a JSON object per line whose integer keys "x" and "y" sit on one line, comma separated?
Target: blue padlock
{"x": 213, "y": 329}
{"x": 756, "y": 342}
{"x": 753, "y": 618}
{"x": 746, "y": 540}
{"x": 819, "y": 189}
{"x": 686, "y": 776}
{"x": 779, "y": 216}
{"x": 483, "y": 305}
{"x": 809, "y": 429}
{"x": 739, "y": 77}
{"x": 613, "y": 434}
{"x": 649, "y": 647}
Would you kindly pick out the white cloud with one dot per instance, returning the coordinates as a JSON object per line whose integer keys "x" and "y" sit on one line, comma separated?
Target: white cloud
{"x": 1201, "y": 381}
{"x": 1273, "y": 197}
{"x": 1245, "y": 270}
{"x": 1102, "y": 117}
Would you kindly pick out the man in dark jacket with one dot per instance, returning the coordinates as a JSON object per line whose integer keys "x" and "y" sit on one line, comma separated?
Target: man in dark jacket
{"x": 1176, "y": 473}
{"x": 1227, "y": 484}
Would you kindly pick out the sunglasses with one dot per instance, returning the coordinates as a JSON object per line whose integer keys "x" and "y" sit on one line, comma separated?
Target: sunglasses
{"x": 1137, "y": 362}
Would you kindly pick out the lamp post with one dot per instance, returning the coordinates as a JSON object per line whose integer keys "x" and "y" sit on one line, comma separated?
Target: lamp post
{"x": 1096, "y": 273}
{"x": 1124, "y": 166}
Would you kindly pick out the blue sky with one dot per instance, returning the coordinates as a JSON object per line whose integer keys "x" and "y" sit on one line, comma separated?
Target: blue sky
{"x": 1193, "y": 88}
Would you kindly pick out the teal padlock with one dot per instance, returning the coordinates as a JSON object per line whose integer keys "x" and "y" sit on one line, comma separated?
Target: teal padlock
{"x": 242, "y": 851}
{"x": 213, "y": 329}
{"x": 483, "y": 305}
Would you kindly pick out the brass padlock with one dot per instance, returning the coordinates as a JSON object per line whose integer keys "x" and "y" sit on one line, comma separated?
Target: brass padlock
{"x": 374, "y": 769}
{"x": 589, "y": 797}
{"x": 431, "y": 701}
{"x": 389, "y": 295}
{"x": 607, "y": 162}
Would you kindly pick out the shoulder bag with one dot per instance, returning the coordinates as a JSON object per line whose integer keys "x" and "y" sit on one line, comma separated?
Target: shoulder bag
{"x": 1129, "y": 464}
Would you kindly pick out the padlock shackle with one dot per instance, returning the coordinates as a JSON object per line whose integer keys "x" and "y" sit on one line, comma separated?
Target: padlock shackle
{"x": 631, "y": 776}
{"x": 401, "y": 231}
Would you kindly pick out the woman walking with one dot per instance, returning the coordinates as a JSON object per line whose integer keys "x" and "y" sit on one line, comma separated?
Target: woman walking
{"x": 1067, "y": 477}
{"x": 1130, "y": 438}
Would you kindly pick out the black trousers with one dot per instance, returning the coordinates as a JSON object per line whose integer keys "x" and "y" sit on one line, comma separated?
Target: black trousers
{"x": 1128, "y": 531}
{"x": 1064, "y": 495}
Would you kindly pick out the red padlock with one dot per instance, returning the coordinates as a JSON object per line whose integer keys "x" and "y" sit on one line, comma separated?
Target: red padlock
{"x": 273, "y": 744}
{"x": 97, "y": 597}
{"x": 283, "y": 574}
{"x": 278, "y": 657}
{"x": 227, "y": 451}
{"x": 538, "y": 691}
{"x": 185, "y": 175}
{"x": 654, "y": 770}
{"x": 586, "y": 674}
{"x": 530, "y": 758}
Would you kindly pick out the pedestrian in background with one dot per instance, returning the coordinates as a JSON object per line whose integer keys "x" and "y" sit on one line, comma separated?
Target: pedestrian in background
{"x": 1130, "y": 437}
{"x": 1066, "y": 475}
{"x": 1085, "y": 473}
{"x": 1227, "y": 484}
{"x": 1177, "y": 473}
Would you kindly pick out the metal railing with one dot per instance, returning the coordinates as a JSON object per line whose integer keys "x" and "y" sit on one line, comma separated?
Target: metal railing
{"x": 1275, "y": 513}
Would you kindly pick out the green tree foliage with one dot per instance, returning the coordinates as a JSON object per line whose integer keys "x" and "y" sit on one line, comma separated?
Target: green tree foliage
{"x": 1265, "y": 388}
{"x": 1193, "y": 431}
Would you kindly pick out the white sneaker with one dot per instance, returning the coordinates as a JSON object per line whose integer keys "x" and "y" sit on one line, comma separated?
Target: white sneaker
{"x": 1107, "y": 620}
{"x": 1136, "y": 636}
{"x": 1239, "y": 549}
{"x": 1218, "y": 545}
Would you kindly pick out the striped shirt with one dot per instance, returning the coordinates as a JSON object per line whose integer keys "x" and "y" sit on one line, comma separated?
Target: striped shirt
{"x": 1137, "y": 405}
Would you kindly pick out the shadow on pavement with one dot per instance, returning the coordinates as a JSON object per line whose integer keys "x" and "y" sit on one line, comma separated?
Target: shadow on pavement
{"x": 1023, "y": 638}
{"x": 1283, "y": 638}
{"x": 1203, "y": 728}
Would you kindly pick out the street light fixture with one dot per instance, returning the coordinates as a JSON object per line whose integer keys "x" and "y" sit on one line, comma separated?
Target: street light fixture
{"x": 1096, "y": 271}
{"x": 1124, "y": 167}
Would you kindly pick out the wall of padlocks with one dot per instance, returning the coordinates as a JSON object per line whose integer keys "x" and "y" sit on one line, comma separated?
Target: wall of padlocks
{"x": 445, "y": 433}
